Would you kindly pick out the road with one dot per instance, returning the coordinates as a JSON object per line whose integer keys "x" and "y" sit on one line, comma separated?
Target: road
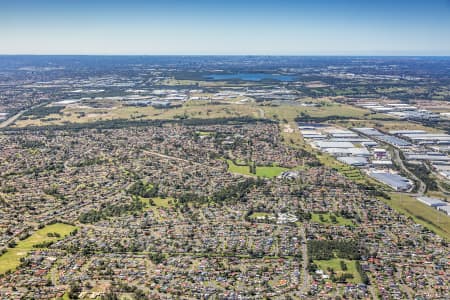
{"x": 190, "y": 162}
{"x": 262, "y": 113}
{"x": 181, "y": 159}
{"x": 305, "y": 284}
{"x": 439, "y": 180}
{"x": 422, "y": 186}
{"x": 399, "y": 162}
{"x": 14, "y": 118}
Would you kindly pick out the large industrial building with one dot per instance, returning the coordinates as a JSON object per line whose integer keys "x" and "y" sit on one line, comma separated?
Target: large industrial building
{"x": 395, "y": 181}
{"x": 433, "y": 202}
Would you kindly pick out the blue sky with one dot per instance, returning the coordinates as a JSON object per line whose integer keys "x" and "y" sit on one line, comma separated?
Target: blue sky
{"x": 278, "y": 27}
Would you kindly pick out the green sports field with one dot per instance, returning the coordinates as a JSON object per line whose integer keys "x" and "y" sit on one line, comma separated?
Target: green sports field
{"x": 267, "y": 172}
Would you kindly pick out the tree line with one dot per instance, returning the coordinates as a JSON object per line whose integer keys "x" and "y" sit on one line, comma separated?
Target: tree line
{"x": 329, "y": 249}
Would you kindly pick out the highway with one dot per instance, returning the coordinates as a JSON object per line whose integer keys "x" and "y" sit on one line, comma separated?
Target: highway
{"x": 15, "y": 117}
{"x": 398, "y": 161}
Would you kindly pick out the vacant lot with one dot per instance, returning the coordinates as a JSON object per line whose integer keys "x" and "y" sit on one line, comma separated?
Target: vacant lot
{"x": 81, "y": 113}
{"x": 386, "y": 125}
{"x": 327, "y": 109}
{"x": 191, "y": 110}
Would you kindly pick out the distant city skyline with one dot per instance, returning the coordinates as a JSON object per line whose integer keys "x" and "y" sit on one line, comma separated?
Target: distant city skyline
{"x": 201, "y": 27}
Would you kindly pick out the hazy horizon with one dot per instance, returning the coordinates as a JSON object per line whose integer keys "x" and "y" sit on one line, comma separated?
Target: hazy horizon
{"x": 237, "y": 55}
{"x": 200, "y": 27}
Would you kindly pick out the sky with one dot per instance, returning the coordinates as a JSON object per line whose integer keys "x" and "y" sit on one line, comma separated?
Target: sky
{"x": 221, "y": 27}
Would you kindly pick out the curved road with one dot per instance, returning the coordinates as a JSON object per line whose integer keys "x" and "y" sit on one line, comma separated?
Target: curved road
{"x": 14, "y": 118}
{"x": 399, "y": 162}
{"x": 422, "y": 186}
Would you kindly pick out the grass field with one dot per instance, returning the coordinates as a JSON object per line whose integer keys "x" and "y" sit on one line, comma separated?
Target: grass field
{"x": 315, "y": 217}
{"x": 205, "y": 133}
{"x": 66, "y": 296}
{"x": 421, "y": 213}
{"x": 386, "y": 125}
{"x": 233, "y": 168}
{"x": 157, "y": 202}
{"x": 292, "y": 136}
{"x": 11, "y": 259}
{"x": 328, "y": 108}
{"x": 336, "y": 266}
{"x": 191, "y": 110}
{"x": 259, "y": 215}
{"x": 162, "y": 202}
{"x": 267, "y": 172}
{"x": 350, "y": 172}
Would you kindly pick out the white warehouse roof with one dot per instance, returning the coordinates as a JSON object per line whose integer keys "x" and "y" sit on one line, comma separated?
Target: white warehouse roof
{"x": 324, "y": 144}
{"x": 445, "y": 209}
{"x": 432, "y": 201}
{"x": 353, "y": 160}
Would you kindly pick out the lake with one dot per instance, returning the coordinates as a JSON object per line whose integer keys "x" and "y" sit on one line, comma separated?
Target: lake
{"x": 250, "y": 77}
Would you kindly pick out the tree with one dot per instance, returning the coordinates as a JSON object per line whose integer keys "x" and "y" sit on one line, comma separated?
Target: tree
{"x": 74, "y": 290}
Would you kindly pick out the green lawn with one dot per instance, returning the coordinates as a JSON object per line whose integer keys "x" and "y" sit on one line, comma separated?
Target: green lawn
{"x": 233, "y": 168}
{"x": 11, "y": 259}
{"x": 336, "y": 266}
{"x": 66, "y": 296}
{"x": 157, "y": 202}
{"x": 258, "y": 215}
{"x": 421, "y": 213}
{"x": 162, "y": 202}
{"x": 205, "y": 133}
{"x": 315, "y": 217}
{"x": 348, "y": 171}
{"x": 268, "y": 172}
